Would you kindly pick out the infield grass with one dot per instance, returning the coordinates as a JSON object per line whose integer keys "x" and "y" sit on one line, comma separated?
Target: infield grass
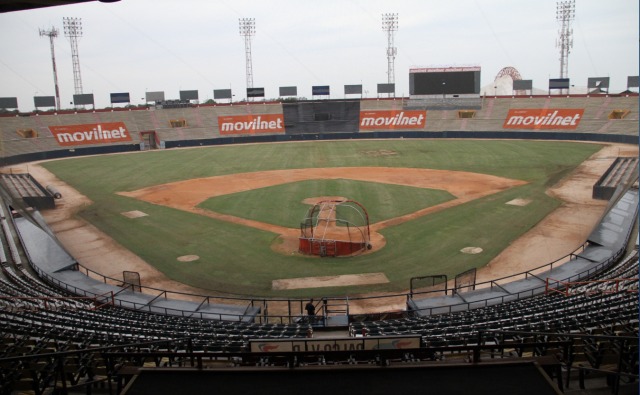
{"x": 382, "y": 201}
{"x": 239, "y": 260}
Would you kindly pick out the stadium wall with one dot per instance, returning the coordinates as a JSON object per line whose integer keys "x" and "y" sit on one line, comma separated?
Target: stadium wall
{"x": 31, "y": 137}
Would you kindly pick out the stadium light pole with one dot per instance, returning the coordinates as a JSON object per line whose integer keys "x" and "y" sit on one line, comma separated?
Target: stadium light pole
{"x": 73, "y": 30}
{"x": 565, "y": 14}
{"x": 390, "y": 26}
{"x": 248, "y": 30}
{"x": 53, "y": 33}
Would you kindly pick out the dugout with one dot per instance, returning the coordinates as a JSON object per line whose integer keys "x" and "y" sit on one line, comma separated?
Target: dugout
{"x": 26, "y": 188}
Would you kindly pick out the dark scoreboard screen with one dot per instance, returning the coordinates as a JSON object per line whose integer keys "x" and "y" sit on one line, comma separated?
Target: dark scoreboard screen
{"x": 449, "y": 81}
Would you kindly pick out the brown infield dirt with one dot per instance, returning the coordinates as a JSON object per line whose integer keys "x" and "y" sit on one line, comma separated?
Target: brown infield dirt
{"x": 557, "y": 235}
{"x": 187, "y": 195}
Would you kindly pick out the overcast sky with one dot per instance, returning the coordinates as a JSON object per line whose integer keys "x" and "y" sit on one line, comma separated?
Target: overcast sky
{"x": 171, "y": 45}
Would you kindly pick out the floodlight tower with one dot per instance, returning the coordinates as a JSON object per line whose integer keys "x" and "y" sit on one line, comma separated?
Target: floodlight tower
{"x": 248, "y": 30}
{"x": 53, "y": 33}
{"x": 73, "y": 30}
{"x": 390, "y": 25}
{"x": 565, "y": 14}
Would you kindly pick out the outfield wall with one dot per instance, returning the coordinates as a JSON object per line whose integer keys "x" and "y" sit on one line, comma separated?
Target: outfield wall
{"x": 55, "y": 135}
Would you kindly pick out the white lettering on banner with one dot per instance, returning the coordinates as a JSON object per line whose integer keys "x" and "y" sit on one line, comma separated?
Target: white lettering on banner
{"x": 256, "y": 124}
{"x": 397, "y": 120}
{"x": 352, "y": 346}
{"x": 96, "y": 134}
{"x": 544, "y": 120}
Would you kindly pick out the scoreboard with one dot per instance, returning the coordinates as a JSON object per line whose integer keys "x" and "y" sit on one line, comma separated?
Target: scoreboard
{"x": 444, "y": 80}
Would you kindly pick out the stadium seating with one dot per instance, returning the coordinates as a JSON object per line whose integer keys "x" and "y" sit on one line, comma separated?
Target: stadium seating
{"x": 42, "y": 319}
{"x": 45, "y": 326}
{"x": 201, "y": 122}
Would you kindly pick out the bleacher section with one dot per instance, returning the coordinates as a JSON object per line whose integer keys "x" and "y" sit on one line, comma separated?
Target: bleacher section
{"x": 304, "y": 117}
{"x": 588, "y": 310}
{"x": 443, "y": 103}
{"x": 604, "y": 245}
{"x": 56, "y": 266}
{"x": 172, "y": 104}
{"x": 590, "y": 332}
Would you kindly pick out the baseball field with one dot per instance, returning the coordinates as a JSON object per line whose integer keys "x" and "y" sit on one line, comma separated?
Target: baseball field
{"x": 226, "y": 219}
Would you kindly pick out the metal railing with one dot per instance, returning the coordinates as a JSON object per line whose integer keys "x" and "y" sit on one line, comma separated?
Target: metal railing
{"x": 111, "y": 365}
{"x": 295, "y": 307}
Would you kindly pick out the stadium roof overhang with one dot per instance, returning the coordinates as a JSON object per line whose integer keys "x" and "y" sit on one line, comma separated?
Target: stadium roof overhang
{"x": 11, "y": 5}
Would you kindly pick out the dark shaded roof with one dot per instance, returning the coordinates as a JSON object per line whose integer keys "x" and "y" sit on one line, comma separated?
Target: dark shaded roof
{"x": 20, "y": 5}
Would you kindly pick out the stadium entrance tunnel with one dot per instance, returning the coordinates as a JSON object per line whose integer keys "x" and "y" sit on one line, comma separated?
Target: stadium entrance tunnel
{"x": 335, "y": 228}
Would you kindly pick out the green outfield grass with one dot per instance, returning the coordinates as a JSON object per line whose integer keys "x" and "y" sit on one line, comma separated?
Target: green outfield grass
{"x": 239, "y": 260}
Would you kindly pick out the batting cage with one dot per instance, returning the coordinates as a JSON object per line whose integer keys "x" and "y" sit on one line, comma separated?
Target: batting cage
{"x": 335, "y": 228}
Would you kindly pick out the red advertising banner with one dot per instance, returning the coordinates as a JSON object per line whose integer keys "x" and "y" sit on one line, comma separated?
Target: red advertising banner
{"x": 546, "y": 118}
{"x": 92, "y": 133}
{"x": 392, "y": 119}
{"x": 251, "y": 123}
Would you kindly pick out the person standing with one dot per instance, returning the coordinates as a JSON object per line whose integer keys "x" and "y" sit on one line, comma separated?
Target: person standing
{"x": 310, "y": 308}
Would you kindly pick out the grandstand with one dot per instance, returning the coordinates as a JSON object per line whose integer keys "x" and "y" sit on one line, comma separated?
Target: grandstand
{"x": 198, "y": 125}
{"x": 559, "y": 327}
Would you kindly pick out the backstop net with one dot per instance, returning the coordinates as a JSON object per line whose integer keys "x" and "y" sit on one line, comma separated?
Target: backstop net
{"x": 433, "y": 283}
{"x": 465, "y": 281}
{"x": 131, "y": 280}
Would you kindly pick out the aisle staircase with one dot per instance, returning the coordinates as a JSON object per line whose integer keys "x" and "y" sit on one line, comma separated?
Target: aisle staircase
{"x": 336, "y": 312}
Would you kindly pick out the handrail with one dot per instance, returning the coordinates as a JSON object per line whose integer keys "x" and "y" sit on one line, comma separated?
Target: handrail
{"x": 567, "y": 284}
{"x": 530, "y": 292}
{"x": 499, "y": 286}
{"x": 205, "y": 299}
{"x": 431, "y": 310}
{"x": 90, "y": 350}
{"x": 181, "y": 352}
{"x": 155, "y": 298}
